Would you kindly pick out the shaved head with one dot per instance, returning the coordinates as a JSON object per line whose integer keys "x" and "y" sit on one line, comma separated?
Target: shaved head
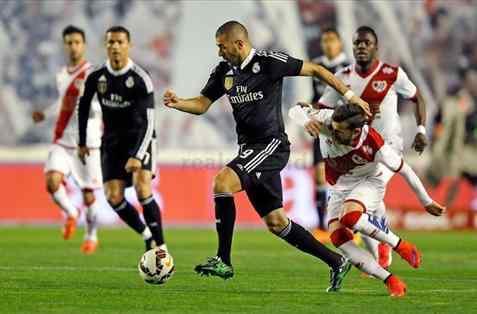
{"x": 233, "y": 30}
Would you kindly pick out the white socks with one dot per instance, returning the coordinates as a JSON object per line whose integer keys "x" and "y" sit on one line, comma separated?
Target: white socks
{"x": 146, "y": 234}
{"x": 371, "y": 245}
{"x": 92, "y": 222}
{"x": 365, "y": 227}
{"x": 61, "y": 199}
{"x": 363, "y": 260}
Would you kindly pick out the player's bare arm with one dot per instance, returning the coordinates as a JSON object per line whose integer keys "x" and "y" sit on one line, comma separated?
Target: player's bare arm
{"x": 420, "y": 140}
{"x": 83, "y": 152}
{"x": 316, "y": 70}
{"x": 197, "y": 105}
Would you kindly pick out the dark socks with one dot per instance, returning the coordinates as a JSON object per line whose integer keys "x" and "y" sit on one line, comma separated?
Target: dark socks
{"x": 130, "y": 216}
{"x": 321, "y": 203}
{"x": 300, "y": 238}
{"x": 152, "y": 216}
{"x": 224, "y": 223}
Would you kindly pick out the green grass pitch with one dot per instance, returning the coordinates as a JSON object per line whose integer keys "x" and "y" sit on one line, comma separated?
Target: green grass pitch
{"x": 41, "y": 273}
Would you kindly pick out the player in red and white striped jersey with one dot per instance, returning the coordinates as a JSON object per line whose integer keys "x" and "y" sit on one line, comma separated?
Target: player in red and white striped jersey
{"x": 379, "y": 84}
{"x": 354, "y": 154}
{"x": 62, "y": 158}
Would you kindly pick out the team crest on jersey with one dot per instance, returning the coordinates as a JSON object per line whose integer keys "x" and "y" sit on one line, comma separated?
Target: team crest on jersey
{"x": 130, "y": 82}
{"x": 368, "y": 149}
{"x": 102, "y": 85}
{"x": 388, "y": 70}
{"x": 256, "y": 68}
{"x": 379, "y": 86}
{"x": 228, "y": 82}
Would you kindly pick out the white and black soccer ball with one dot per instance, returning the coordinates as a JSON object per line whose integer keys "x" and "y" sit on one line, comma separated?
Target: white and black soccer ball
{"x": 156, "y": 266}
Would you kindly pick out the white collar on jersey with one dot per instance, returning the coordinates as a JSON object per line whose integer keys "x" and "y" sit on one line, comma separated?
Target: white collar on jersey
{"x": 248, "y": 59}
{"x": 128, "y": 66}
{"x": 329, "y": 63}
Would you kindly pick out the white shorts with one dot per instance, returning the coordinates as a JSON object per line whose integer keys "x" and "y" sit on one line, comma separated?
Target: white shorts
{"x": 66, "y": 161}
{"x": 368, "y": 191}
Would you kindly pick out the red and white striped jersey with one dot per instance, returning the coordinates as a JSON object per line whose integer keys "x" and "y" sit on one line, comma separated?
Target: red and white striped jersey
{"x": 70, "y": 84}
{"x": 359, "y": 160}
{"x": 380, "y": 88}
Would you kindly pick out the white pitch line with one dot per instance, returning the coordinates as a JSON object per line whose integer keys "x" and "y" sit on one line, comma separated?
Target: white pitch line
{"x": 67, "y": 268}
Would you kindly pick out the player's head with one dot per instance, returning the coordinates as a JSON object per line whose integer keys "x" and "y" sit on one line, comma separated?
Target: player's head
{"x": 346, "y": 123}
{"x": 365, "y": 45}
{"x": 74, "y": 42}
{"x": 330, "y": 42}
{"x": 118, "y": 42}
{"x": 233, "y": 42}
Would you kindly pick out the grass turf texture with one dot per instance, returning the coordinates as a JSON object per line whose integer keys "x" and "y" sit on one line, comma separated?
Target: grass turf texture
{"x": 41, "y": 273}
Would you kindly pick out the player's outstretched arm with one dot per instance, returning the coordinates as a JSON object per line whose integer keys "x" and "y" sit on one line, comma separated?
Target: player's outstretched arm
{"x": 316, "y": 70}
{"x": 197, "y": 105}
{"x": 314, "y": 121}
{"x": 84, "y": 106}
{"x": 393, "y": 161}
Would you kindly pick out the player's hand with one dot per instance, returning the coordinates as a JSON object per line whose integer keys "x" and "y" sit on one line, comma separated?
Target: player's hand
{"x": 355, "y": 100}
{"x": 313, "y": 127}
{"x": 420, "y": 143}
{"x": 83, "y": 151}
{"x": 133, "y": 165}
{"x": 435, "y": 209}
{"x": 37, "y": 116}
{"x": 170, "y": 98}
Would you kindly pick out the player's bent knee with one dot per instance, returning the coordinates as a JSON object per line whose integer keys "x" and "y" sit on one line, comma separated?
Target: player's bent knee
{"x": 276, "y": 223}
{"x": 224, "y": 181}
{"x": 53, "y": 183}
{"x": 114, "y": 198}
{"x": 143, "y": 190}
{"x": 340, "y": 236}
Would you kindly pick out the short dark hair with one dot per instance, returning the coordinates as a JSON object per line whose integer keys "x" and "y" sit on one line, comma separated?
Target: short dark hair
{"x": 71, "y": 29}
{"x": 353, "y": 115}
{"x": 330, "y": 30}
{"x": 367, "y": 29}
{"x": 119, "y": 29}
{"x": 229, "y": 26}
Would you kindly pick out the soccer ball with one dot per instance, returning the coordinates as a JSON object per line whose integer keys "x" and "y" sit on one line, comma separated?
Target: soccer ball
{"x": 156, "y": 266}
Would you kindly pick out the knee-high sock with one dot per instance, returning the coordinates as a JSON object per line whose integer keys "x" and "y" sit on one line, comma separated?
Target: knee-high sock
{"x": 92, "y": 221}
{"x": 152, "y": 216}
{"x": 130, "y": 216}
{"x": 303, "y": 240}
{"x": 61, "y": 199}
{"x": 371, "y": 245}
{"x": 342, "y": 238}
{"x": 224, "y": 224}
{"x": 321, "y": 203}
{"x": 360, "y": 222}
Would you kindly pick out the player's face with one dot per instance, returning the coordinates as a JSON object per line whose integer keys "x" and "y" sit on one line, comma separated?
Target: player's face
{"x": 331, "y": 45}
{"x": 364, "y": 47}
{"x": 117, "y": 45}
{"x": 74, "y": 46}
{"x": 342, "y": 133}
{"x": 229, "y": 49}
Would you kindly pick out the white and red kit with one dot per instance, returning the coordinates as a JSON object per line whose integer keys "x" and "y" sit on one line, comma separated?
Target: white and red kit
{"x": 379, "y": 87}
{"x": 62, "y": 156}
{"x": 355, "y": 174}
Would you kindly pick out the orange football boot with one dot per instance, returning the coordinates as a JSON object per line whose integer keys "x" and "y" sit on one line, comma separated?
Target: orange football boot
{"x": 89, "y": 247}
{"x": 69, "y": 228}
{"x": 409, "y": 253}
{"x": 396, "y": 287}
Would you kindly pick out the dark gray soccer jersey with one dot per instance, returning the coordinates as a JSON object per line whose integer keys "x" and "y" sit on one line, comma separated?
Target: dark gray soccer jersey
{"x": 255, "y": 92}
{"x": 127, "y": 102}
{"x": 333, "y": 66}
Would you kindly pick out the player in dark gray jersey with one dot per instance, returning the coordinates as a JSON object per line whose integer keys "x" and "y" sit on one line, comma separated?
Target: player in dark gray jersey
{"x": 333, "y": 59}
{"x": 252, "y": 81}
{"x": 126, "y": 94}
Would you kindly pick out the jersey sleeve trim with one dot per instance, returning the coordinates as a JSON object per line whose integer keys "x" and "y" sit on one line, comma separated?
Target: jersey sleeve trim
{"x": 145, "y": 77}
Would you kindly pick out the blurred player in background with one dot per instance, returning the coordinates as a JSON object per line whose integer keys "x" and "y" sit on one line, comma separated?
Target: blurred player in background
{"x": 252, "y": 81}
{"x": 379, "y": 84}
{"x": 126, "y": 94}
{"x": 333, "y": 59}
{"x": 62, "y": 158}
{"x": 354, "y": 154}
